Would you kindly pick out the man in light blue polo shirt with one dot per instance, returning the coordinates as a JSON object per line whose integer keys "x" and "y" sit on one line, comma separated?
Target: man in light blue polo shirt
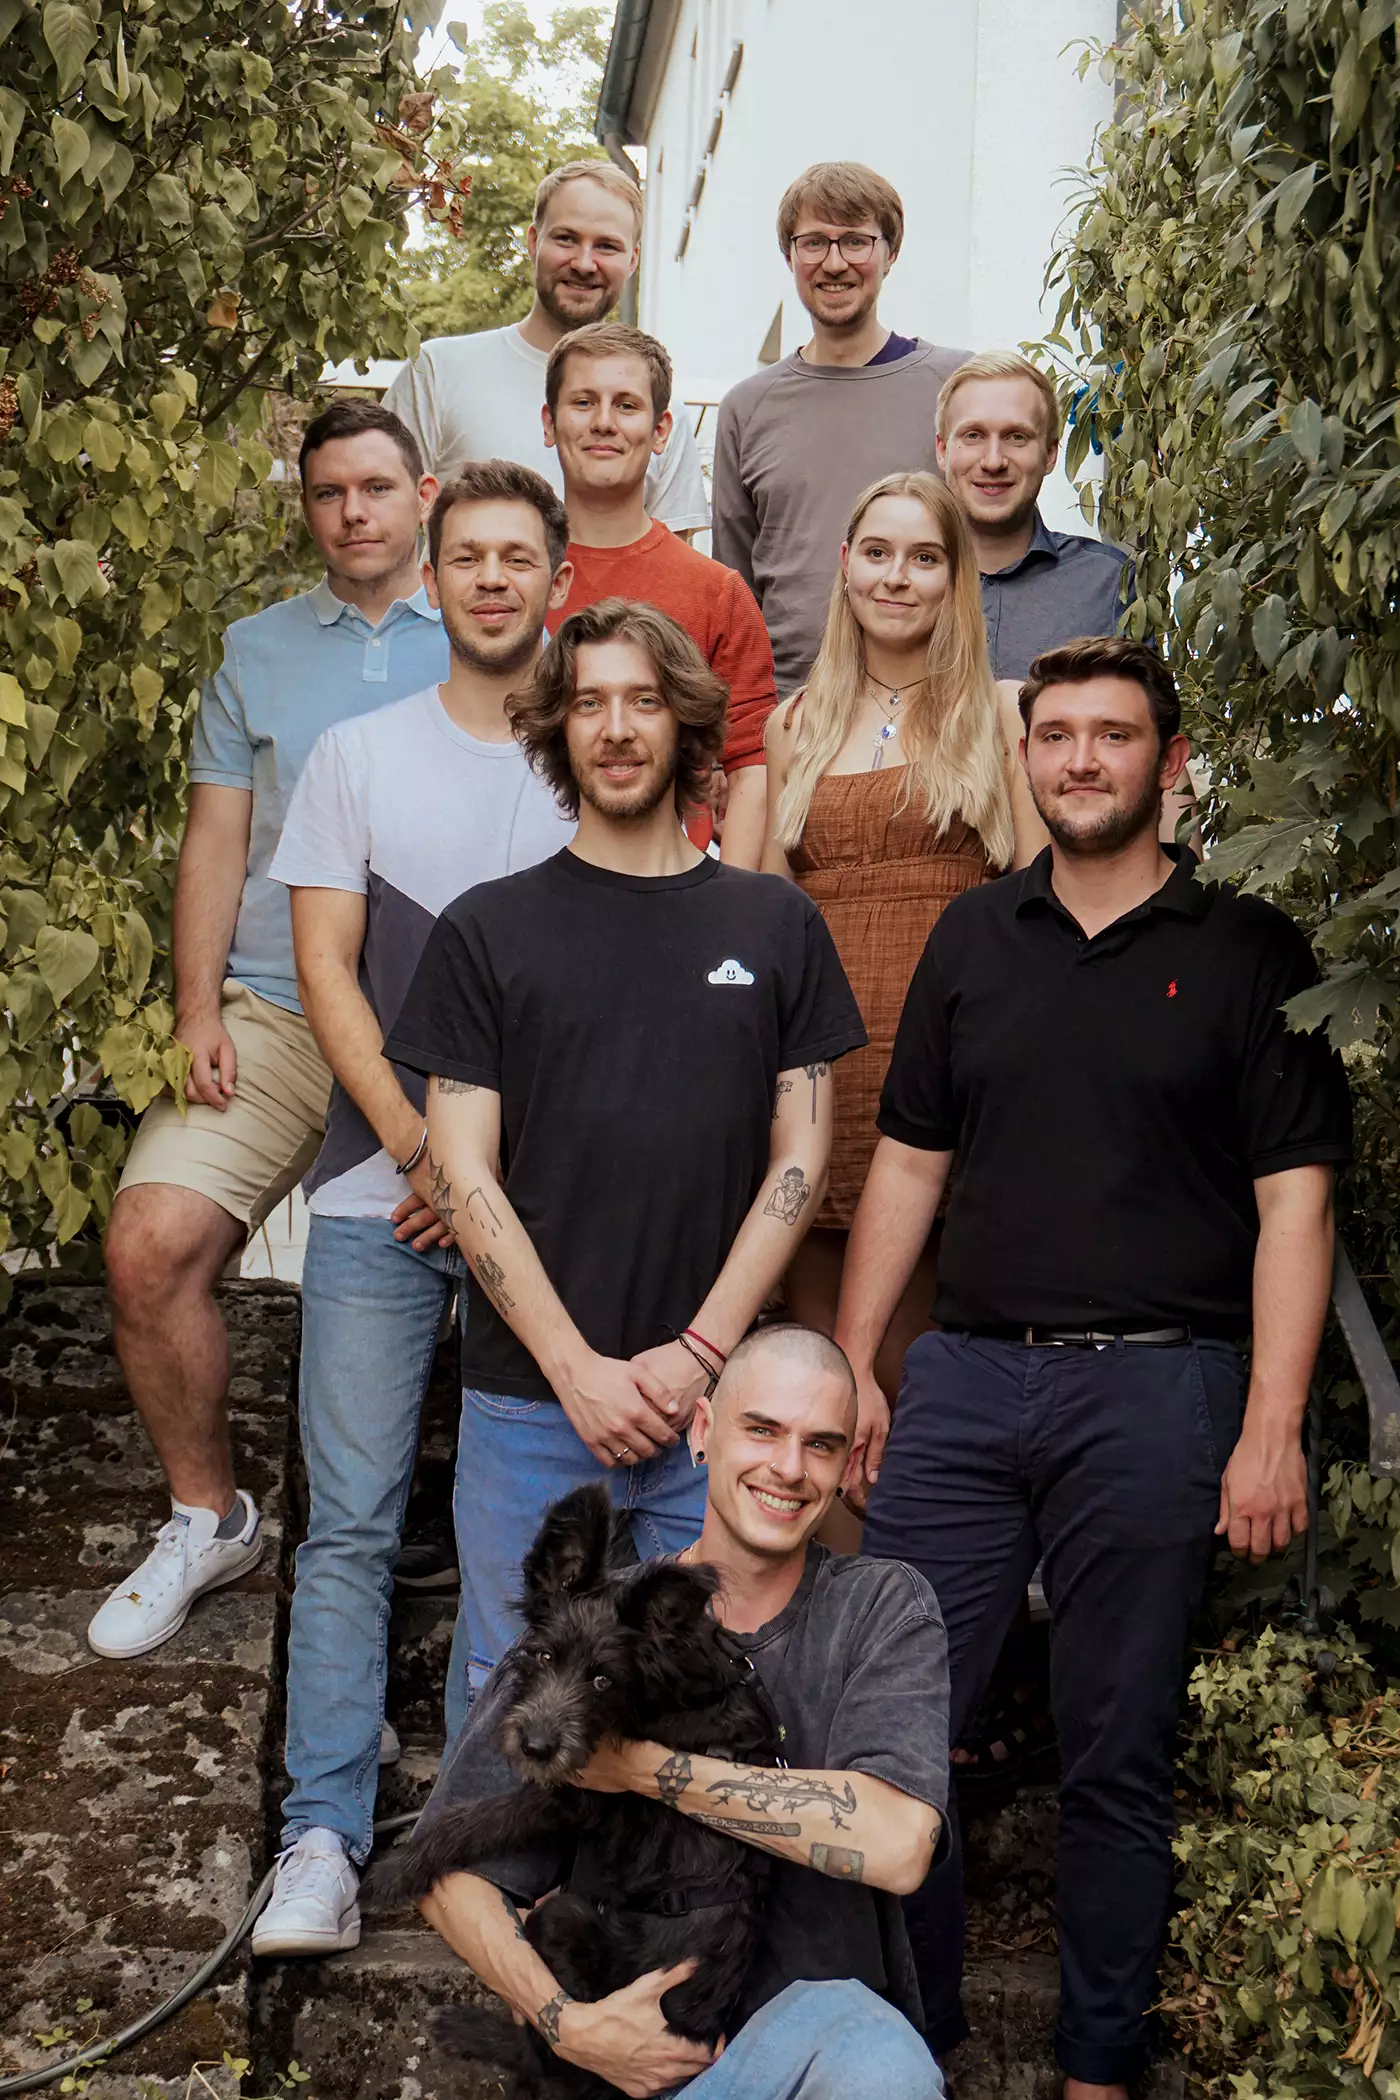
{"x": 198, "y": 1182}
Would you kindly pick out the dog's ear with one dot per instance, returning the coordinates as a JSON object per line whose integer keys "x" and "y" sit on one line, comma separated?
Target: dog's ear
{"x": 666, "y": 1602}
{"x": 573, "y": 1547}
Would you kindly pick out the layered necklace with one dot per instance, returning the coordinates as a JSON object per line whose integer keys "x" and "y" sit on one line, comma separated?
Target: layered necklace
{"x": 890, "y": 726}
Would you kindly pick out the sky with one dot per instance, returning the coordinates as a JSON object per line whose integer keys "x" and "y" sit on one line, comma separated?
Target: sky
{"x": 435, "y": 49}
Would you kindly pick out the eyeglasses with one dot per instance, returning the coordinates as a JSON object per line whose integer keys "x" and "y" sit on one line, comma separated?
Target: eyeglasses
{"x": 854, "y": 247}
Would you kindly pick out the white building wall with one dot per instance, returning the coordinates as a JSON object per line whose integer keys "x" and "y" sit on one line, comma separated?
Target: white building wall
{"x": 973, "y": 109}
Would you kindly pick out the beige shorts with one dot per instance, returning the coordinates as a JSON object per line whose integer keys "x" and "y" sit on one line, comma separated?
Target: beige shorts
{"x": 250, "y": 1155}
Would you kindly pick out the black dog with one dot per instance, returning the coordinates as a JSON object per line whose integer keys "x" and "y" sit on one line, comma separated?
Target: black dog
{"x": 611, "y": 1650}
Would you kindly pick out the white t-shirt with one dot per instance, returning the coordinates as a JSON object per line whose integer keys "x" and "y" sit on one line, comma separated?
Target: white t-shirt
{"x": 480, "y": 396}
{"x": 403, "y": 808}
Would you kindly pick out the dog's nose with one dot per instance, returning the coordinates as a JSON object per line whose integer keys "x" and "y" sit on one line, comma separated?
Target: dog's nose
{"x": 540, "y": 1748}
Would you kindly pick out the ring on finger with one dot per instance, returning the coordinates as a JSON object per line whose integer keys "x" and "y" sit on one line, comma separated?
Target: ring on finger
{"x": 625, "y": 1451}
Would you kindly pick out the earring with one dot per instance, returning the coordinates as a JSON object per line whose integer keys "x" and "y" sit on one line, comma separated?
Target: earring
{"x": 697, "y": 1458}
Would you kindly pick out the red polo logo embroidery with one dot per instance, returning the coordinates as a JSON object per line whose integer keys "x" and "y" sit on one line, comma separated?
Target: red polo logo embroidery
{"x": 1171, "y": 989}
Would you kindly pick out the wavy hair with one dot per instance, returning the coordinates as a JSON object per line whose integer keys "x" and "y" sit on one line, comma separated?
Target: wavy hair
{"x": 950, "y": 725}
{"x": 696, "y": 697}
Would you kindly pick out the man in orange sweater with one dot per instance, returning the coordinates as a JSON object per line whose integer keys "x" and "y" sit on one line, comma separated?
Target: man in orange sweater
{"x": 607, "y": 411}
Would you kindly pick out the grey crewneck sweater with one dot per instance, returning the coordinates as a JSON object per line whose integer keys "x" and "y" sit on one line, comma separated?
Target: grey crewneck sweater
{"x": 795, "y": 446}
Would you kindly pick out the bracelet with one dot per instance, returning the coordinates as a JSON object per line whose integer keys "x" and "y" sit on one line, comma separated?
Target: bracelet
{"x": 406, "y": 1166}
{"x": 707, "y": 1345}
{"x": 711, "y": 1374}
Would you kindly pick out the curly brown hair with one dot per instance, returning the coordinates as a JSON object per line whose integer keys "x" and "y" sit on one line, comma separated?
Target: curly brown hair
{"x": 696, "y": 697}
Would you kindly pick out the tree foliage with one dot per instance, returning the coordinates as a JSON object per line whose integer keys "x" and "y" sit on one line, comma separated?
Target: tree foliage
{"x": 1229, "y": 335}
{"x": 198, "y": 201}
{"x": 520, "y": 104}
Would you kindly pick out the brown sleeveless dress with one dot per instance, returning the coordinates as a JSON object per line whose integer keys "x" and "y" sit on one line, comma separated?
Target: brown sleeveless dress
{"x": 880, "y": 878}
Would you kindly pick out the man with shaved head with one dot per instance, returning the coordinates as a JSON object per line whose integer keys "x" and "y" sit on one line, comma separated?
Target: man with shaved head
{"x": 852, "y": 1655}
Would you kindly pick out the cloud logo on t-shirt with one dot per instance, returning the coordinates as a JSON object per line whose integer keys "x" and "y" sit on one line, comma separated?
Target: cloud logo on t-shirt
{"x": 730, "y": 972}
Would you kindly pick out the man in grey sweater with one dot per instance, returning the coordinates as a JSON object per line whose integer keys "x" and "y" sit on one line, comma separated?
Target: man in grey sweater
{"x": 798, "y": 442}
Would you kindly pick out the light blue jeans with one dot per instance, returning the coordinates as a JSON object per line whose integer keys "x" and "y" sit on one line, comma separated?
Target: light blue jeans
{"x": 822, "y": 2041}
{"x": 371, "y": 1309}
{"x": 515, "y": 1457}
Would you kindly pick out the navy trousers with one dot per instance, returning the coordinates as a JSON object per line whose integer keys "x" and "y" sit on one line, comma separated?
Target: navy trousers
{"x": 1106, "y": 1463}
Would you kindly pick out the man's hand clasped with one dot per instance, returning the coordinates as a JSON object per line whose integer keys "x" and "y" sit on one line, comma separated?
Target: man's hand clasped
{"x": 619, "y": 1410}
{"x": 415, "y": 1218}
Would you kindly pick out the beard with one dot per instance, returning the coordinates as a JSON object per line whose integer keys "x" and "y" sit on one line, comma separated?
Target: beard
{"x": 1110, "y": 830}
{"x": 546, "y": 291}
{"x": 483, "y": 652}
{"x": 630, "y": 805}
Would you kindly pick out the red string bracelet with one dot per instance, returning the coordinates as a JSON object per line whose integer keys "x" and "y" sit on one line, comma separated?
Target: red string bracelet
{"x": 707, "y": 1345}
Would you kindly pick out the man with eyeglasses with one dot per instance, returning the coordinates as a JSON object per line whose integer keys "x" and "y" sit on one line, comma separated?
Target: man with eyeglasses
{"x": 798, "y": 441}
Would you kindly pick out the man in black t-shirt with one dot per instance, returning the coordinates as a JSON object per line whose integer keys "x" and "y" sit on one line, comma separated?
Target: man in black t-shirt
{"x": 1145, "y": 1155}
{"x": 629, "y": 1050}
{"x": 852, "y": 1654}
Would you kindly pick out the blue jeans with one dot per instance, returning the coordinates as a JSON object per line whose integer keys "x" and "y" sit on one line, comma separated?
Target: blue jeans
{"x": 1106, "y": 1461}
{"x": 515, "y": 1457}
{"x": 371, "y": 1309}
{"x": 822, "y": 2041}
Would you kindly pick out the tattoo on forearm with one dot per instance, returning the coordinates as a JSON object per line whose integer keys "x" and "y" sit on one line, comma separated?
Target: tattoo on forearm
{"x": 753, "y": 1833}
{"x": 440, "y": 1192}
{"x": 455, "y": 1086}
{"x": 840, "y": 1864}
{"x": 547, "y": 2018}
{"x": 512, "y": 1913}
{"x": 491, "y": 1223}
{"x": 784, "y": 1087}
{"x": 786, "y": 1201}
{"x": 763, "y": 1791}
{"x": 814, "y": 1073}
{"x": 492, "y": 1278}
{"x": 673, "y": 1777}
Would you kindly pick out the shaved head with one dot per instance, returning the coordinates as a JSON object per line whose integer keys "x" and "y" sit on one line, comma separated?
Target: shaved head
{"x": 786, "y": 1343}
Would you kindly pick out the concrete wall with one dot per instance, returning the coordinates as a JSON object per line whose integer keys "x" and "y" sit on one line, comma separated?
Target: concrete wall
{"x": 972, "y": 108}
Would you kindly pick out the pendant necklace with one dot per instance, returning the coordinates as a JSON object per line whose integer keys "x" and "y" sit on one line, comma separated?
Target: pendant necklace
{"x": 888, "y": 728}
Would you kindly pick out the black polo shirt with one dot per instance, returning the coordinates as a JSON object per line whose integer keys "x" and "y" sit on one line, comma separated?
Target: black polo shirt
{"x": 1110, "y": 1101}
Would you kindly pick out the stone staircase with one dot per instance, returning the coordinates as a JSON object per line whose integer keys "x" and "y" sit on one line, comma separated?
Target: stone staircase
{"x": 142, "y": 1797}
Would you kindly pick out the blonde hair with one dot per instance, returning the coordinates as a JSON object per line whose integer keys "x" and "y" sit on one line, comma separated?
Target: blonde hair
{"x": 604, "y": 172}
{"x": 1001, "y": 364}
{"x": 950, "y": 725}
{"x": 843, "y": 192}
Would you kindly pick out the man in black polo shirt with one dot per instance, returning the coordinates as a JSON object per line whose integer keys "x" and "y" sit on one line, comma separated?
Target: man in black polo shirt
{"x": 1144, "y": 1164}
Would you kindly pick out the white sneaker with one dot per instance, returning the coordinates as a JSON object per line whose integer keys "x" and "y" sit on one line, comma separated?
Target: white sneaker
{"x": 186, "y": 1560}
{"x": 390, "y": 1748}
{"x": 313, "y": 1908}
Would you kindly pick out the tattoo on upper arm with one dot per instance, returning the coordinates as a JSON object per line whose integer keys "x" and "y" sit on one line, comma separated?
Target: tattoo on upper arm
{"x": 787, "y": 1199}
{"x": 547, "y": 2018}
{"x": 492, "y": 1278}
{"x": 673, "y": 1777}
{"x": 840, "y": 1864}
{"x": 793, "y": 1791}
{"x": 454, "y": 1086}
{"x": 512, "y": 1913}
{"x": 814, "y": 1073}
{"x": 784, "y": 1087}
{"x": 440, "y": 1192}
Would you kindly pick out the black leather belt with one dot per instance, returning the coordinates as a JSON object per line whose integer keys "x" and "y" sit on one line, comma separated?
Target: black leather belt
{"x": 1086, "y": 1337}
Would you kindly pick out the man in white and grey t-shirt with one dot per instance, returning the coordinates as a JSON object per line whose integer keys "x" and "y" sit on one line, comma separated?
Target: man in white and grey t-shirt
{"x": 395, "y": 815}
{"x": 482, "y": 396}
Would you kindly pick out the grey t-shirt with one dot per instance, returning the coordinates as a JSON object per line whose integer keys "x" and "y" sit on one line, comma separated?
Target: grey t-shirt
{"x": 794, "y": 447}
{"x": 857, "y": 1669}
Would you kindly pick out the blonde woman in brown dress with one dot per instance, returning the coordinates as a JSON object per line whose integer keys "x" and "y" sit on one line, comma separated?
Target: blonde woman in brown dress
{"x": 892, "y": 789}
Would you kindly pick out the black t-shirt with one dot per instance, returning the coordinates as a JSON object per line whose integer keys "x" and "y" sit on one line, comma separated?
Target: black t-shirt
{"x": 857, "y": 1669}
{"x": 634, "y": 1027}
{"x": 1110, "y": 1101}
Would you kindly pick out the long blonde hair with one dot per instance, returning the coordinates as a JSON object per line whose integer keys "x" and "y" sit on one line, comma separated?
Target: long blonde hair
{"x": 950, "y": 727}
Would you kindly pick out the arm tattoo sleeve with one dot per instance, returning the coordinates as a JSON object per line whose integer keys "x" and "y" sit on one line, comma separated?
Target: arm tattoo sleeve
{"x": 786, "y": 1201}
{"x": 492, "y": 1278}
{"x": 440, "y": 1191}
{"x": 814, "y": 1073}
{"x": 454, "y": 1086}
{"x": 512, "y": 1913}
{"x": 840, "y": 1864}
{"x": 547, "y": 2018}
{"x": 784, "y": 1087}
{"x": 737, "y": 1827}
{"x": 673, "y": 1777}
{"x": 768, "y": 1791}
{"x": 491, "y": 1222}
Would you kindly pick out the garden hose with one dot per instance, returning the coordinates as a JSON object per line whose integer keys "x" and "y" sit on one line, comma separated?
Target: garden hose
{"x": 99, "y": 2051}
